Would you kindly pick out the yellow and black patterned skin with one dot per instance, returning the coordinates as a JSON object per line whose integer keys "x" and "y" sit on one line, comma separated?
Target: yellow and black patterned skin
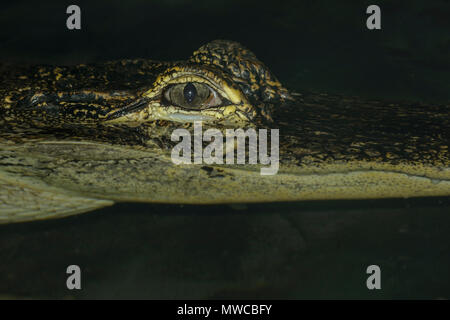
{"x": 81, "y": 93}
{"x": 131, "y": 91}
{"x": 258, "y": 84}
{"x": 73, "y": 139}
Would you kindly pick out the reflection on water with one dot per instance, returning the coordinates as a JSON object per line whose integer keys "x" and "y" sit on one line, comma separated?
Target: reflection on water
{"x": 277, "y": 250}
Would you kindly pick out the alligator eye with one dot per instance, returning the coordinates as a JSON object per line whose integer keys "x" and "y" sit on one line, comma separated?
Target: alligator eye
{"x": 192, "y": 95}
{"x": 189, "y": 92}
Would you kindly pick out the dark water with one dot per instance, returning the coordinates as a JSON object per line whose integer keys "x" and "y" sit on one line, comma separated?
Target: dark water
{"x": 278, "y": 250}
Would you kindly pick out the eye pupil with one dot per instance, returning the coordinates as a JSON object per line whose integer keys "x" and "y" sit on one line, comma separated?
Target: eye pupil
{"x": 189, "y": 92}
{"x": 191, "y": 96}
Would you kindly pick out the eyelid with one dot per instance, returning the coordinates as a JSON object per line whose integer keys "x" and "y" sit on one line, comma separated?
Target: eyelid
{"x": 221, "y": 83}
{"x": 197, "y": 79}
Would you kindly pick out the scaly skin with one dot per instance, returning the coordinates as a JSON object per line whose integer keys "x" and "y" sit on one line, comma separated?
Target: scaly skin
{"x": 73, "y": 139}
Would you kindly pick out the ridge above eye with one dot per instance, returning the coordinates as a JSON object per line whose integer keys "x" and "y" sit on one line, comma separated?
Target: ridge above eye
{"x": 192, "y": 95}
